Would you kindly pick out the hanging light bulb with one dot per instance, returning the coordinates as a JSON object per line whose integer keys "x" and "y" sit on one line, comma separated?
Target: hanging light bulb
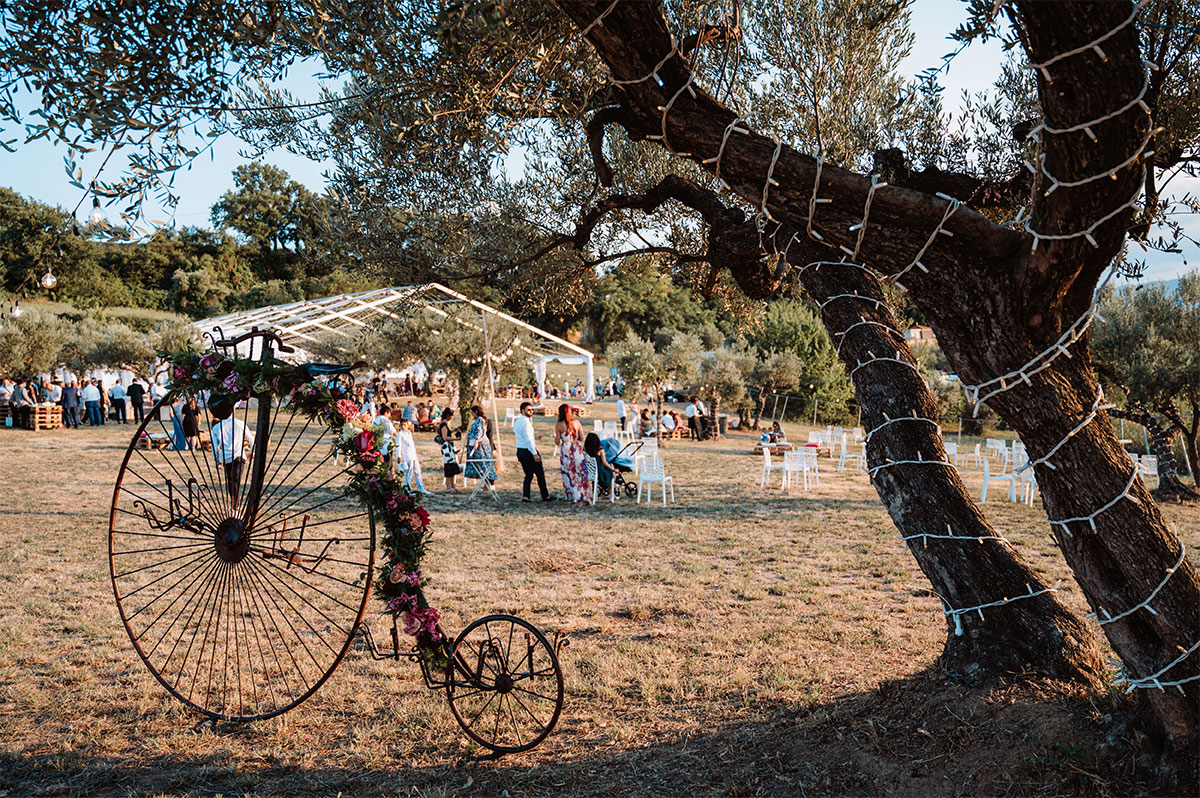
{"x": 97, "y": 216}
{"x": 49, "y": 280}
{"x": 17, "y": 311}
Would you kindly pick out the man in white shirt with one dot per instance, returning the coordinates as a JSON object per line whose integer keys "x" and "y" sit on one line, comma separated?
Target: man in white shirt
{"x": 690, "y": 412}
{"x": 527, "y": 454}
{"x": 117, "y": 395}
{"x": 157, "y": 392}
{"x": 91, "y": 402}
{"x": 621, "y": 411}
{"x": 232, "y": 442}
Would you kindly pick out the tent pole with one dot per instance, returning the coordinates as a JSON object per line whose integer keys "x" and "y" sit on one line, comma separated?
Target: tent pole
{"x": 487, "y": 354}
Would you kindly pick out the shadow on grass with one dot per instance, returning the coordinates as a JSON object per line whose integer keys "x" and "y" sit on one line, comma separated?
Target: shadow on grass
{"x": 921, "y": 735}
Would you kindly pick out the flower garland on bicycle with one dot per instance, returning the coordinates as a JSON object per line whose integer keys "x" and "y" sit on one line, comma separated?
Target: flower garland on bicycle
{"x": 405, "y": 521}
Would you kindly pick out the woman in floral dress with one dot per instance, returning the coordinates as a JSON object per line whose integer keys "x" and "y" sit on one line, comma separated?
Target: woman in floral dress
{"x": 480, "y": 464}
{"x": 568, "y": 434}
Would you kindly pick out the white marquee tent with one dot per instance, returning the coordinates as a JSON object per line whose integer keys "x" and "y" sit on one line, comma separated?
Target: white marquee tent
{"x": 301, "y": 324}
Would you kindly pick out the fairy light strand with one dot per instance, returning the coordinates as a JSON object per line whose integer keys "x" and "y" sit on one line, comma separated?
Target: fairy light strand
{"x": 1154, "y": 679}
{"x": 1093, "y": 45}
{"x": 1091, "y": 519}
{"x": 1097, "y": 406}
{"x": 1145, "y": 603}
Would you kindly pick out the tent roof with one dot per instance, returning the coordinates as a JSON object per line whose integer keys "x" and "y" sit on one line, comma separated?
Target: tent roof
{"x": 301, "y": 324}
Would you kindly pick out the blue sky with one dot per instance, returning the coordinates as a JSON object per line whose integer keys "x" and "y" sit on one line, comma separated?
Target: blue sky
{"x": 36, "y": 170}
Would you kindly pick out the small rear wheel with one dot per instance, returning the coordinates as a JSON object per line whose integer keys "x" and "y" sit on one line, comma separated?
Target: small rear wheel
{"x": 506, "y": 686}
{"x": 630, "y": 489}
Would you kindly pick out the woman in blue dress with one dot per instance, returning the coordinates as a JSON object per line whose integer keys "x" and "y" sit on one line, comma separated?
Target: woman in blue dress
{"x": 480, "y": 463}
{"x": 180, "y": 440}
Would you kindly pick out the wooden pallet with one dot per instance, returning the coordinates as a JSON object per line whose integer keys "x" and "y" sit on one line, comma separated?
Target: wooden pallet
{"x": 155, "y": 440}
{"x": 776, "y": 448}
{"x": 41, "y": 417}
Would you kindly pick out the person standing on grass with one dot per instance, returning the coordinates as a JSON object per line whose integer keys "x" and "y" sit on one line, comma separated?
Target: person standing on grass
{"x": 190, "y": 415}
{"x": 157, "y": 392}
{"x": 527, "y": 454}
{"x": 408, "y": 457}
{"x": 480, "y": 463}
{"x": 568, "y": 434}
{"x": 137, "y": 396}
{"x": 621, "y": 412}
{"x": 70, "y": 405}
{"x": 445, "y": 439}
{"x": 232, "y": 443}
{"x": 690, "y": 412}
{"x": 91, "y": 402}
{"x": 117, "y": 395}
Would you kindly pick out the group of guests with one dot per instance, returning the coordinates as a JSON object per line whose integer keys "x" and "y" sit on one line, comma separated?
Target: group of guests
{"x": 646, "y": 424}
{"x": 82, "y": 401}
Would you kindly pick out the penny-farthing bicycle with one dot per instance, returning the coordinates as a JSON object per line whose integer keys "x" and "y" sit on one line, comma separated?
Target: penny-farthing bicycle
{"x": 242, "y": 569}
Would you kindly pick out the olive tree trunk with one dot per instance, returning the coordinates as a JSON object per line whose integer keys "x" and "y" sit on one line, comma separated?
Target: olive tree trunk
{"x": 998, "y": 297}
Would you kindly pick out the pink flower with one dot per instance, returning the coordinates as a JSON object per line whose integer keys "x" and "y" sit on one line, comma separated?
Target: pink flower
{"x": 231, "y": 382}
{"x": 423, "y": 515}
{"x": 423, "y": 622}
{"x": 365, "y": 441}
{"x": 396, "y": 575}
{"x": 179, "y": 372}
{"x": 404, "y": 603}
{"x": 209, "y": 360}
{"x": 347, "y": 409}
{"x": 413, "y": 578}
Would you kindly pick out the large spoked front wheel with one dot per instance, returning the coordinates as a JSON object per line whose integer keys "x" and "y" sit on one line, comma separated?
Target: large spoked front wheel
{"x": 241, "y": 575}
{"x": 505, "y": 687}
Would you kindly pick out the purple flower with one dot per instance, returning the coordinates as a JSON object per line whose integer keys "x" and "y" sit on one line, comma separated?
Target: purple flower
{"x": 231, "y": 381}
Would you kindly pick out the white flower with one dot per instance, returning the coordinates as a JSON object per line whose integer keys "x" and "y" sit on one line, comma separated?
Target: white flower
{"x": 349, "y": 431}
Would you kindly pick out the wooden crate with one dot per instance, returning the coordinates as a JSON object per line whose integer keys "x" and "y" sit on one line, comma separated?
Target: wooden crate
{"x": 581, "y": 411}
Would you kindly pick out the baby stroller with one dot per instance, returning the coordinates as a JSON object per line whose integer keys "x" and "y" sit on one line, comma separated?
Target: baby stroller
{"x": 622, "y": 461}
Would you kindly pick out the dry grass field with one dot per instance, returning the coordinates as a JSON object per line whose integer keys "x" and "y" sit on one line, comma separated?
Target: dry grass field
{"x": 738, "y": 642}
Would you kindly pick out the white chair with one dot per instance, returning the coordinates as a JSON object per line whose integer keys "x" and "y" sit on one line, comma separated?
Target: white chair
{"x": 857, "y": 434}
{"x": 597, "y": 425}
{"x": 994, "y": 447}
{"x": 511, "y": 416}
{"x": 1008, "y": 458}
{"x": 593, "y": 472}
{"x": 951, "y": 451}
{"x": 860, "y": 457}
{"x": 768, "y": 467}
{"x": 1029, "y": 486}
{"x": 1148, "y": 465}
{"x": 803, "y": 463}
{"x": 610, "y": 429}
{"x": 649, "y": 449}
{"x": 653, "y": 473}
{"x": 977, "y": 456}
{"x": 1010, "y": 478}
